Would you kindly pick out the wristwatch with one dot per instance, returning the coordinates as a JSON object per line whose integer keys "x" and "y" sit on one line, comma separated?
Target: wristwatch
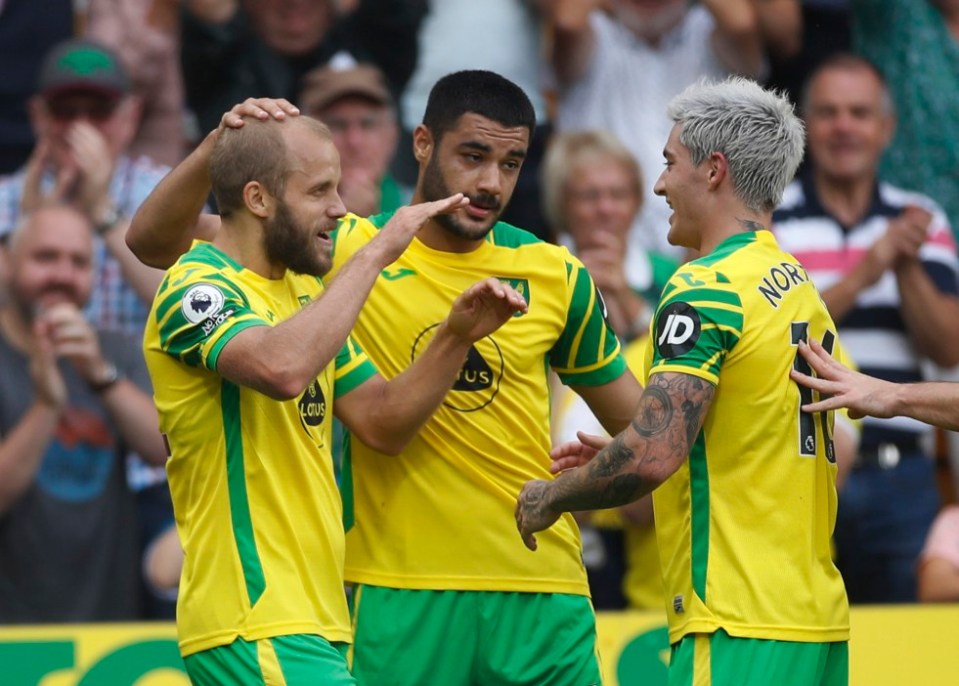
{"x": 110, "y": 376}
{"x": 112, "y": 217}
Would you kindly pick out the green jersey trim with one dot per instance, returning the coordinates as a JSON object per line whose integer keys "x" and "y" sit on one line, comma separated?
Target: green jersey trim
{"x": 699, "y": 514}
{"x": 241, "y": 521}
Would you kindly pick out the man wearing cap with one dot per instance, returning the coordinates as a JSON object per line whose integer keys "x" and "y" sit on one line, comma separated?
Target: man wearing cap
{"x": 355, "y": 103}
{"x": 84, "y": 117}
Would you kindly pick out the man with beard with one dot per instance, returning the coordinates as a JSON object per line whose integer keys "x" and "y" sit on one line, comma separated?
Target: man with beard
{"x": 74, "y": 401}
{"x": 248, "y": 350}
{"x": 433, "y": 554}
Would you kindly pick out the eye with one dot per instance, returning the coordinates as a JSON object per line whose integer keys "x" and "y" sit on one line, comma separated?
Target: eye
{"x": 512, "y": 165}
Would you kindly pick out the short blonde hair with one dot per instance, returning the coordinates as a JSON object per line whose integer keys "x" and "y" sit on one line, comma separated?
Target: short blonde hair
{"x": 566, "y": 152}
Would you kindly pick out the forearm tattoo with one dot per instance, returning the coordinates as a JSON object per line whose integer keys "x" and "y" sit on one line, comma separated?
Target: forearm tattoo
{"x": 671, "y": 412}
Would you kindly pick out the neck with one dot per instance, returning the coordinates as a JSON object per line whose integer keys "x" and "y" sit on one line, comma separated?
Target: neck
{"x": 736, "y": 220}
{"x": 846, "y": 200}
{"x": 243, "y": 242}
{"x": 436, "y": 237}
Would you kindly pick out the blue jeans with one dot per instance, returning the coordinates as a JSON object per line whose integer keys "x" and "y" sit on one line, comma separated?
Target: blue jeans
{"x": 884, "y": 516}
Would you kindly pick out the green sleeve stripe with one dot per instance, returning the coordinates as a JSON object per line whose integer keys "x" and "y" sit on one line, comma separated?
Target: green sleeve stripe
{"x": 357, "y": 374}
{"x": 707, "y": 295}
{"x": 667, "y": 291}
{"x": 214, "y": 354}
{"x": 586, "y": 337}
{"x": 609, "y": 370}
{"x": 737, "y": 333}
{"x": 713, "y": 363}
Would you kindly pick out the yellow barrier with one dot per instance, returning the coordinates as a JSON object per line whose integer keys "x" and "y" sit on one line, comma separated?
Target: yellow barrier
{"x": 891, "y": 646}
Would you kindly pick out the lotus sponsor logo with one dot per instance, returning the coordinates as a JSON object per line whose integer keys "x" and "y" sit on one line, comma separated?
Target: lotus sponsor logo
{"x": 478, "y": 382}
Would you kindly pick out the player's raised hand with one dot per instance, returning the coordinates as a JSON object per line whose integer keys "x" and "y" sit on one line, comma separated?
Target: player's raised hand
{"x": 394, "y": 238}
{"x": 258, "y": 108}
{"x": 577, "y": 453}
{"x": 483, "y": 308}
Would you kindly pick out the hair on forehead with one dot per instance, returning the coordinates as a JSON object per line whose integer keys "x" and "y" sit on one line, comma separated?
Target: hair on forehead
{"x": 257, "y": 151}
{"x": 479, "y": 92}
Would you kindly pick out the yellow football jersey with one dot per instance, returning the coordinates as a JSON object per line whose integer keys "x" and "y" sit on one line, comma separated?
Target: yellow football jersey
{"x": 744, "y": 526}
{"x": 257, "y": 507}
{"x": 440, "y": 515}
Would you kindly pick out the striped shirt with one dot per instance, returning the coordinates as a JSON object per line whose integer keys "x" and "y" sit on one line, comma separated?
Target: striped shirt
{"x": 873, "y": 330}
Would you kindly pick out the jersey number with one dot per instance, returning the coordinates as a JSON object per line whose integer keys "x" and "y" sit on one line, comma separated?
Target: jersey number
{"x": 807, "y": 422}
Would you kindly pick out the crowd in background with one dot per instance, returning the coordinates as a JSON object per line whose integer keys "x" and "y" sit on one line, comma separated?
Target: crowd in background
{"x": 99, "y": 98}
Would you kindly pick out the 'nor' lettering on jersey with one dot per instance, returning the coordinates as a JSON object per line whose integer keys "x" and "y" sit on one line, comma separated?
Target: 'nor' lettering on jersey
{"x": 780, "y": 280}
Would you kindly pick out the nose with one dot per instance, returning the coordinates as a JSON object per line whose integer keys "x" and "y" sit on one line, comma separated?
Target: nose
{"x": 337, "y": 208}
{"x": 660, "y": 187}
{"x": 491, "y": 180}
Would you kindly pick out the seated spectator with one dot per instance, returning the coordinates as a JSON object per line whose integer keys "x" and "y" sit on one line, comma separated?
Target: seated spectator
{"x": 939, "y": 560}
{"x": 74, "y": 400}
{"x": 84, "y": 116}
{"x": 592, "y": 192}
{"x": 355, "y": 102}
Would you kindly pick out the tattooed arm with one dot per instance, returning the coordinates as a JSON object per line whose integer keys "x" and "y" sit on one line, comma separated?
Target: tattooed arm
{"x": 671, "y": 412}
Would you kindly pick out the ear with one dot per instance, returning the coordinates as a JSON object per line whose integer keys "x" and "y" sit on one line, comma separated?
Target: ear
{"x": 257, "y": 199}
{"x": 717, "y": 170}
{"x": 422, "y": 143}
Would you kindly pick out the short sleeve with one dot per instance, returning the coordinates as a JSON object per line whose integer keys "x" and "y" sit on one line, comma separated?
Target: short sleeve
{"x": 353, "y": 367}
{"x": 587, "y": 351}
{"x": 199, "y": 313}
{"x": 697, "y": 324}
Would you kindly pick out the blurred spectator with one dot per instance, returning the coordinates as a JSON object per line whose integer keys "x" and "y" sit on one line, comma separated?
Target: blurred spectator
{"x": 354, "y": 101}
{"x": 885, "y": 261}
{"x": 73, "y": 401}
{"x": 617, "y": 70}
{"x": 592, "y": 192}
{"x": 915, "y": 44}
{"x": 456, "y": 35}
{"x": 939, "y": 562}
{"x": 84, "y": 116}
{"x": 145, "y": 35}
{"x": 28, "y": 30}
{"x": 235, "y": 49}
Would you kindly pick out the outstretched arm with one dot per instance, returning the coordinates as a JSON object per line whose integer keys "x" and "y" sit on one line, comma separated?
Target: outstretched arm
{"x": 934, "y": 403}
{"x": 170, "y": 218}
{"x": 281, "y": 361}
{"x": 671, "y": 413}
{"x": 386, "y": 415}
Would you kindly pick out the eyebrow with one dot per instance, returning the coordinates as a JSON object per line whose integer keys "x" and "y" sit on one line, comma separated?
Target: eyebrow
{"x": 487, "y": 148}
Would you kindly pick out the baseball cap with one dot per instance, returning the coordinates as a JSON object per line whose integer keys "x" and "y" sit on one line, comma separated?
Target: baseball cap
{"x": 85, "y": 66}
{"x": 325, "y": 85}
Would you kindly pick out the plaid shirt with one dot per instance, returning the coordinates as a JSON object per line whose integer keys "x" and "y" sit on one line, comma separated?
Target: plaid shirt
{"x": 113, "y": 305}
